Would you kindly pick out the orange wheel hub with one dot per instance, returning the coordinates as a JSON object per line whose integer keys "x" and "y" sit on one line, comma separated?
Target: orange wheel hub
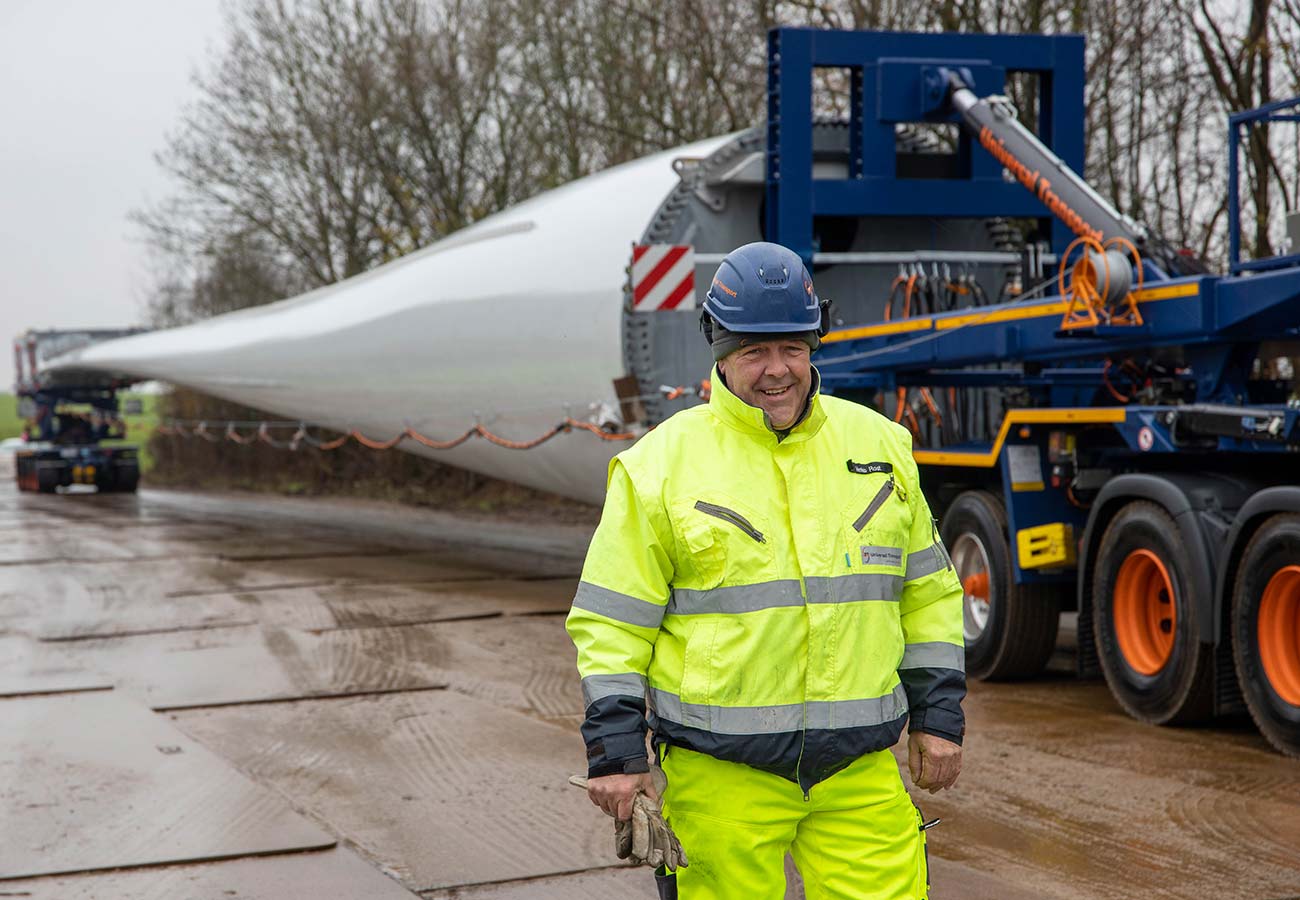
{"x": 1145, "y": 613}
{"x": 1279, "y": 633}
{"x": 977, "y": 585}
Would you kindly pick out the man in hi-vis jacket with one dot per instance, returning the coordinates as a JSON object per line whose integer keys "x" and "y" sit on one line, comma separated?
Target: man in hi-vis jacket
{"x": 768, "y": 576}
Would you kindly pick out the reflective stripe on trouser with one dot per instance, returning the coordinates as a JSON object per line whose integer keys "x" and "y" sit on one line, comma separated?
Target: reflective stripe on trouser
{"x": 856, "y": 837}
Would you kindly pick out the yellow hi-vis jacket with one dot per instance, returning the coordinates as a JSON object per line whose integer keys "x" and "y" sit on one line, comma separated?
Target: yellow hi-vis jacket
{"x": 783, "y": 602}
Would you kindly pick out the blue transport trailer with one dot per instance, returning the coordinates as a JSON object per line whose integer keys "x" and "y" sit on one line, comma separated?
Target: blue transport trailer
{"x": 74, "y": 429}
{"x": 1112, "y": 435}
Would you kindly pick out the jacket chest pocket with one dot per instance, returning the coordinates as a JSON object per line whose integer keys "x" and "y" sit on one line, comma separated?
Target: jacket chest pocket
{"x": 721, "y": 539}
{"x": 875, "y": 527}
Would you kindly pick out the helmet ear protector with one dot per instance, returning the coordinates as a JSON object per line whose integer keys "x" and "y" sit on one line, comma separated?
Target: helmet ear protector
{"x": 823, "y": 324}
{"x": 706, "y": 325}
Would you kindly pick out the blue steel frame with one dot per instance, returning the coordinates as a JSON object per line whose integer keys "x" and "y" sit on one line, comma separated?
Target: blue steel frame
{"x": 1147, "y": 434}
{"x": 1219, "y": 321}
{"x": 47, "y": 401}
{"x": 1271, "y": 112}
{"x": 893, "y": 80}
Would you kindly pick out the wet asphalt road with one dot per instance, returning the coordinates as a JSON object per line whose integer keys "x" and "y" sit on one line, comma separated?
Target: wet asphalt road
{"x": 231, "y": 696}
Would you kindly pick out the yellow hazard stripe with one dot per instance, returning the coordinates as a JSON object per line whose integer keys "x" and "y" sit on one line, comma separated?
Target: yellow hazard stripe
{"x": 988, "y": 459}
{"x": 1168, "y": 292}
{"x": 1013, "y": 314}
{"x": 901, "y": 326}
{"x": 990, "y": 317}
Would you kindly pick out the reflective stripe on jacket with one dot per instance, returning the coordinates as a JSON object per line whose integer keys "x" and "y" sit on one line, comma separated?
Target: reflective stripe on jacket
{"x": 782, "y": 602}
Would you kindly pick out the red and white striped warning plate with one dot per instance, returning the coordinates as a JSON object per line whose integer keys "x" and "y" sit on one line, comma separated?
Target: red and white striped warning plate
{"x": 663, "y": 277}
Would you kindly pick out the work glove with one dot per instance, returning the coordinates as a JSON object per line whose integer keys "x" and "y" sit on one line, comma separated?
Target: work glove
{"x": 645, "y": 838}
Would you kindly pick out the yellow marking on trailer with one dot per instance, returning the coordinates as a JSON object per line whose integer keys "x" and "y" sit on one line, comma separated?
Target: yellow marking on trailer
{"x": 900, "y": 326}
{"x": 988, "y": 459}
{"x": 1167, "y": 292}
{"x": 1030, "y": 311}
{"x": 991, "y": 317}
{"x": 1046, "y": 546}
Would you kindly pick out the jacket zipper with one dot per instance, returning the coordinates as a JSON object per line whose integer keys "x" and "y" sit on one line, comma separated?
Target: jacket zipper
{"x": 874, "y": 506}
{"x": 729, "y": 515}
{"x": 803, "y": 739}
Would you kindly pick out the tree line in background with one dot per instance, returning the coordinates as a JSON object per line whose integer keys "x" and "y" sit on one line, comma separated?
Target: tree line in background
{"x": 331, "y": 136}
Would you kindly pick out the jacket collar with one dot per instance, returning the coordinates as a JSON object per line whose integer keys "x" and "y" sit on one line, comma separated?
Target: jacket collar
{"x": 751, "y": 420}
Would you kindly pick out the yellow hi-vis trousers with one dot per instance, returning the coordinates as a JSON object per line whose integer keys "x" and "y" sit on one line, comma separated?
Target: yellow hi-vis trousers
{"x": 856, "y": 837}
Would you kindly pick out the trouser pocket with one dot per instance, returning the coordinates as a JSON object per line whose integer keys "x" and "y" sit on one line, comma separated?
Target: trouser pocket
{"x": 925, "y": 864}
{"x": 666, "y": 884}
{"x": 923, "y": 854}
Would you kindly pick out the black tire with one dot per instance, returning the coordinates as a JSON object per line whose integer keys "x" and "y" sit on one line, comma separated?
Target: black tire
{"x": 1178, "y": 689}
{"x": 1019, "y": 635}
{"x": 105, "y": 481}
{"x": 47, "y": 478}
{"x": 127, "y": 478}
{"x": 1274, "y": 548}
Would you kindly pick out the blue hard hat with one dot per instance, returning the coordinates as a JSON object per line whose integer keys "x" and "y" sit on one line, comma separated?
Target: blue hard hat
{"x": 764, "y": 288}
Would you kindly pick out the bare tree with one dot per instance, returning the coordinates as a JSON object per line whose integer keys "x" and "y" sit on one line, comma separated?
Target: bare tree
{"x": 1238, "y": 55}
{"x": 272, "y": 144}
{"x": 343, "y": 135}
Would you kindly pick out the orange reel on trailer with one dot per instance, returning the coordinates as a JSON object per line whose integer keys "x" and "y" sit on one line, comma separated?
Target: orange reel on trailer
{"x": 1100, "y": 288}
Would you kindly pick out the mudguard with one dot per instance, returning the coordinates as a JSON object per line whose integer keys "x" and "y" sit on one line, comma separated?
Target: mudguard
{"x": 1203, "y": 506}
{"x": 1253, "y": 512}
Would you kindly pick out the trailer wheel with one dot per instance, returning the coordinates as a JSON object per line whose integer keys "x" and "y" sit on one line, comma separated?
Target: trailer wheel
{"x": 1266, "y": 630}
{"x": 1010, "y": 628}
{"x": 1150, "y": 644}
{"x": 127, "y": 478}
{"x": 47, "y": 479}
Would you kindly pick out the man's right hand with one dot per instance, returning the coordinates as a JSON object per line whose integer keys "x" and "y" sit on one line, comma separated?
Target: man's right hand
{"x": 614, "y": 793}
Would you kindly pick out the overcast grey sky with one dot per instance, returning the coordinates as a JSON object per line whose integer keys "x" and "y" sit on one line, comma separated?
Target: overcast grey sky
{"x": 87, "y": 91}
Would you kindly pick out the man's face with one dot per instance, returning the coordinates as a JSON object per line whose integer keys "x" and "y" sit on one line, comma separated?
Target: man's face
{"x": 774, "y": 376}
